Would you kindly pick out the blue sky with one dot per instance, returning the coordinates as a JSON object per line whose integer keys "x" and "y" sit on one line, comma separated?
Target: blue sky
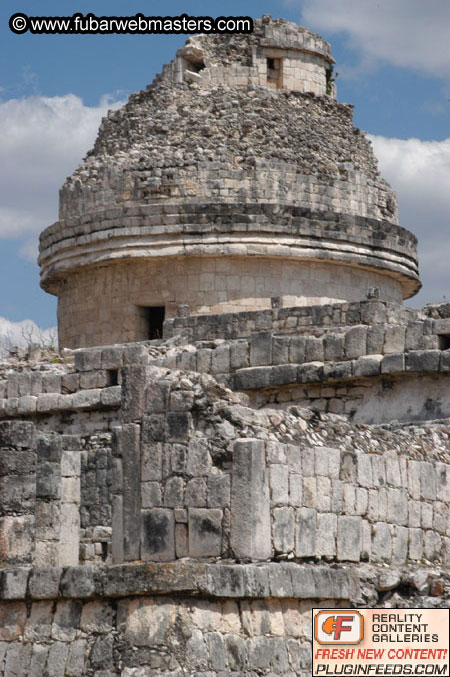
{"x": 393, "y": 61}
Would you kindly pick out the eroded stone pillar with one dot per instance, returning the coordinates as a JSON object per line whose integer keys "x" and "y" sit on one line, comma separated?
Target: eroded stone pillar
{"x": 250, "y": 501}
{"x": 126, "y": 504}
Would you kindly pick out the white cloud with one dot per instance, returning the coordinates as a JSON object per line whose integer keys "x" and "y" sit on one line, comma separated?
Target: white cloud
{"x": 43, "y": 140}
{"x": 22, "y": 334}
{"x": 412, "y": 33}
{"x": 420, "y": 172}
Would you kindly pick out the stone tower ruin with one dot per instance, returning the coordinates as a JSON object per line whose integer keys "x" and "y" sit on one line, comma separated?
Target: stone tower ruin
{"x": 246, "y": 422}
{"x": 234, "y": 179}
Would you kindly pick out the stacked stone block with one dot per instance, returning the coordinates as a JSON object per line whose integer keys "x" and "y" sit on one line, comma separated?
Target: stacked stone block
{"x": 170, "y": 499}
{"x": 126, "y": 620}
{"x": 95, "y": 476}
{"x": 354, "y": 506}
{"x": 18, "y": 492}
{"x": 178, "y": 486}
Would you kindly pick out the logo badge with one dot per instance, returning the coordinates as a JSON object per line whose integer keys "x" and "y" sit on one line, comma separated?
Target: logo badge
{"x": 338, "y": 626}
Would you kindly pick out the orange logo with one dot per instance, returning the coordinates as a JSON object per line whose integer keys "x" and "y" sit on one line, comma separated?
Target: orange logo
{"x": 338, "y": 626}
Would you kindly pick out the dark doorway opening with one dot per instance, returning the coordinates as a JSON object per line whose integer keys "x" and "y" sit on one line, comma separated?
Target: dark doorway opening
{"x": 274, "y": 72}
{"x": 155, "y": 320}
{"x": 444, "y": 341}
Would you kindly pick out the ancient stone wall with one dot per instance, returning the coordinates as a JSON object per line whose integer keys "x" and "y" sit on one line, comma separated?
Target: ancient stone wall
{"x": 184, "y": 619}
{"x": 163, "y": 619}
{"x": 71, "y": 489}
{"x": 372, "y": 360}
{"x": 164, "y": 526}
{"x": 109, "y": 303}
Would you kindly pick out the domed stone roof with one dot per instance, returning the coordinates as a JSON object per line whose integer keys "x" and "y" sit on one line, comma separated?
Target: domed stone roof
{"x": 234, "y": 178}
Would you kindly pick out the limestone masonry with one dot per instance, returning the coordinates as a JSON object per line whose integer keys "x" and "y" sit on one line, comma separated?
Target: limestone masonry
{"x": 243, "y": 422}
{"x": 234, "y": 178}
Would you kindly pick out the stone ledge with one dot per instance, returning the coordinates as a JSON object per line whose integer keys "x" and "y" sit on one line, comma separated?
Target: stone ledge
{"x": 233, "y": 229}
{"x": 50, "y": 403}
{"x": 291, "y": 218}
{"x": 417, "y": 361}
{"x": 275, "y": 579}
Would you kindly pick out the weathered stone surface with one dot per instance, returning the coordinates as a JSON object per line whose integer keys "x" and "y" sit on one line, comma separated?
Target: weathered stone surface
{"x": 12, "y": 620}
{"x": 38, "y": 660}
{"x": 66, "y": 620}
{"x": 284, "y": 529}
{"x": 56, "y": 660}
{"x": 44, "y": 582}
{"x": 334, "y": 348}
{"x": 178, "y": 425}
{"x": 134, "y": 380}
{"x": 388, "y": 580}
{"x": 375, "y": 338}
{"x": 13, "y": 583}
{"x": 422, "y": 360}
{"x": 349, "y": 538}
{"x": 128, "y": 440}
{"x": 338, "y": 370}
{"x": 367, "y": 365}
{"x": 297, "y": 347}
{"x": 205, "y": 532}
{"x": 393, "y": 363}
{"x": 326, "y": 535}
{"x": 88, "y": 359}
{"x": 137, "y": 579}
{"x": 381, "y": 542}
{"x": 310, "y": 372}
{"x": 279, "y": 483}
{"x": 157, "y": 534}
{"x": 250, "y": 520}
{"x": 239, "y": 355}
{"x": 18, "y": 659}
{"x": 218, "y": 491}
{"x": 76, "y": 659}
{"x": 252, "y": 378}
{"x": 83, "y": 399}
{"x": 356, "y": 342}
{"x": 16, "y": 539}
{"x": 80, "y": 582}
{"x": 400, "y": 545}
{"x": 394, "y": 340}
{"x": 17, "y": 434}
{"x": 283, "y": 375}
{"x": 261, "y": 349}
{"x": 427, "y": 481}
{"x": 305, "y": 542}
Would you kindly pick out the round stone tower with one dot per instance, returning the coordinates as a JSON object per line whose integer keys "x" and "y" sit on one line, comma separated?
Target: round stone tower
{"x": 234, "y": 179}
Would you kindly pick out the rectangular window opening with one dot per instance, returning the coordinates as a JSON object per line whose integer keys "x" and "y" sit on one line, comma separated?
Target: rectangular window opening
{"x": 155, "y": 319}
{"x": 274, "y": 72}
{"x": 112, "y": 377}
